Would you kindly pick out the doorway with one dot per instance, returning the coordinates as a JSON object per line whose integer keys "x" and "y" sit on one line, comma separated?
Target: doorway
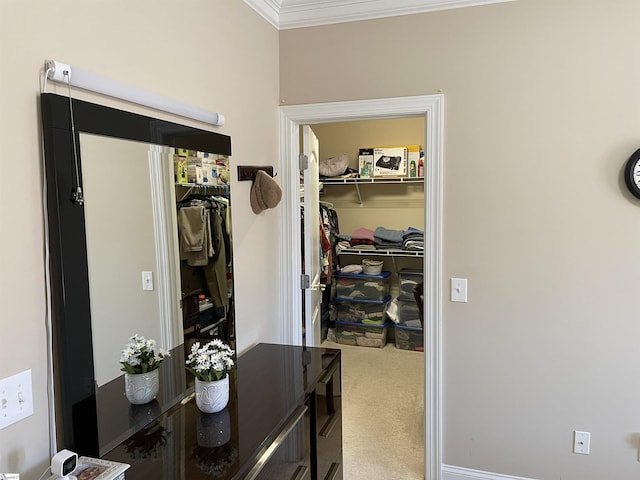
{"x": 432, "y": 108}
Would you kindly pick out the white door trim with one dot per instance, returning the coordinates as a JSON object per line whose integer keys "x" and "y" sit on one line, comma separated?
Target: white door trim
{"x": 432, "y": 108}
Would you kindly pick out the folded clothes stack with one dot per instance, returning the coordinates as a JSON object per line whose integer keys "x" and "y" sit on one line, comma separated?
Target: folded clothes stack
{"x": 351, "y": 269}
{"x": 383, "y": 239}
{"x": 343, "y": 242}
{"x": 386, "y": 238}
{"x": 413, "y": 239}
{"x": 362, "y": 238}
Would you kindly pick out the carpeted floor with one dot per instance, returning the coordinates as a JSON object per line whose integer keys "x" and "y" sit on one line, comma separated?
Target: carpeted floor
{"x": 382, "y": 413}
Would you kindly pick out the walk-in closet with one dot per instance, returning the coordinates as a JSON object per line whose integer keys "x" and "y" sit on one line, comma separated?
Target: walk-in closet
{"x": 372, "y": 264}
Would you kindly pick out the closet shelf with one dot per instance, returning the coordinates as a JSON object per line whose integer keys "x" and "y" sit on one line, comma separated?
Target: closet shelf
{"x": 382, "y": 253}
{"x": 356, "y": 182}
{"x": 351, "y": 181}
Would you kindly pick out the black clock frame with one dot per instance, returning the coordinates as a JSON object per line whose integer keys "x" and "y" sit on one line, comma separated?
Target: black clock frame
{"x": 628, "y": 174}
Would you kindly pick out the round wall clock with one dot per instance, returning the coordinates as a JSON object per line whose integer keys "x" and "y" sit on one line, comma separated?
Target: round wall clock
{"x": 632, "y": 173}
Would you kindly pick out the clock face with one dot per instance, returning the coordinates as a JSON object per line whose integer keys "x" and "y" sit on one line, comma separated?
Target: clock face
{"x": 632, "y": 174}
{"x": 636, "y": 173}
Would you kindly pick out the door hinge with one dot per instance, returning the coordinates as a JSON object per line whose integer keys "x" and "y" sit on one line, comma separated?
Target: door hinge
{"x": 304, "y": 161}
{"x": 305, "y": 282}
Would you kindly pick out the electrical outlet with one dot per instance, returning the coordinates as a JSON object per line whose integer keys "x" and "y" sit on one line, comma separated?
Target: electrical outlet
{"x": 16, "y": 398}
{"x": 581, "y": 442}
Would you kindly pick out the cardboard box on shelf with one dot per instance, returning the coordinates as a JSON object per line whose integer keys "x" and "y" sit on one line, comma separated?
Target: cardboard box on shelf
{"x": 194, "y": 169}
{"x": 365, "y": 162}
{"x": 390, "y": 161}
{"x": 209, "y": 170}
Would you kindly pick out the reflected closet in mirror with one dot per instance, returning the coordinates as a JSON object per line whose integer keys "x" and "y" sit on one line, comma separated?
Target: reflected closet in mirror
{"x": 116, "y": 194}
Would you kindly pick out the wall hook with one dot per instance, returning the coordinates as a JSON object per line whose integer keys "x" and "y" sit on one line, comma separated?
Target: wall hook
{"x": 248, "y": 172}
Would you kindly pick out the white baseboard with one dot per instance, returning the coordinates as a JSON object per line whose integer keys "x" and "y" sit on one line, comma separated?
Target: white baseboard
{"x": 458, "y": 473}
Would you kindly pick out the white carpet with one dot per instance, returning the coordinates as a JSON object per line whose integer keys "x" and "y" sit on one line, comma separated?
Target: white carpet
{"x": 382, "y": 413}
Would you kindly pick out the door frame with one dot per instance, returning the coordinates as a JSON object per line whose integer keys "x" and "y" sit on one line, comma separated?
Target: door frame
{"x": 432, "y": 108}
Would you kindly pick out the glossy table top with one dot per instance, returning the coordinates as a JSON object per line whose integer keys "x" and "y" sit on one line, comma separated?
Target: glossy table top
{"x": 267, "y": 388}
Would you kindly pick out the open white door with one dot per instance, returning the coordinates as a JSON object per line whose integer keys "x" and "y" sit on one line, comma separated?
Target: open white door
{"x": 313, "y": 289}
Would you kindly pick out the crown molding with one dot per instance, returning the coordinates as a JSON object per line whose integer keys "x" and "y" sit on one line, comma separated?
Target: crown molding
{"x": 286, "y": 14}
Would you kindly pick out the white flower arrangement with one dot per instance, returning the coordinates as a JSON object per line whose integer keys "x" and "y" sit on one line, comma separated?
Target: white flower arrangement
{"x": 211, "y": 362}
{"x": 141, "y": 356}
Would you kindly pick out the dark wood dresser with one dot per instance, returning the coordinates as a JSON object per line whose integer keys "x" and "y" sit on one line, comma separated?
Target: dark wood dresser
{"x": 283, "y": 422}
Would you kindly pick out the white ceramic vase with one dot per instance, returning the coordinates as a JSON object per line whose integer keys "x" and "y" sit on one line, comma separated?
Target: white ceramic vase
{"x": 212, "y": 397}
{"x": 141, "y": 388}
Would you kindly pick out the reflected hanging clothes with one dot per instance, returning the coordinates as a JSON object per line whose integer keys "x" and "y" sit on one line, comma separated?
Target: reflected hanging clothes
{"x": 216, "y": 270}
{"x": 195, "y": 235}
{"x": 204, "y": 243}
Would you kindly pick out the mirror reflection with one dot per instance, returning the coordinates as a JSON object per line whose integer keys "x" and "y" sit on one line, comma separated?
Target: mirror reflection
{"x": 158, "y": 226}
{"x": 115, "y": 262}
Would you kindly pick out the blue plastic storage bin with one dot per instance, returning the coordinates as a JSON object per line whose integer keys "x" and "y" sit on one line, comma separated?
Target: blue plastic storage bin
{"x": 358, "y": 286}
{"x": 409, "y": 338}
{"x": 361, "y": 334}
{"x": 358, "y": 311}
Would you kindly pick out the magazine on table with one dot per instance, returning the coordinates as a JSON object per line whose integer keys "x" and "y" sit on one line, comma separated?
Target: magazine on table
{"x": 97, "y": 469}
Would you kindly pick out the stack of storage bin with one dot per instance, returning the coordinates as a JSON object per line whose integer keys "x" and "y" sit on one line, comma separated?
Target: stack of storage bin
{"x": 408, "y": 331}
{"x": 360, "y": 304}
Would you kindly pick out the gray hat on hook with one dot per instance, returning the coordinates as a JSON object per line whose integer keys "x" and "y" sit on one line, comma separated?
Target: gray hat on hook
{"x": 265, "y": 192}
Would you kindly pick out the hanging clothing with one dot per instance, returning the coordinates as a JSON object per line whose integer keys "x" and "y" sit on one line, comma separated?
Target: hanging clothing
{"x": 329, "y": 232}
{"x": 216, "y": 270}
{"x": 195, "y": 235}
{"x": 206, "y": 246}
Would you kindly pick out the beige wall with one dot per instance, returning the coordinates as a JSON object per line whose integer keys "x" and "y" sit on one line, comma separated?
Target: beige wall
{"x": 541, "y": 113}
{"x": 217, "y": 55}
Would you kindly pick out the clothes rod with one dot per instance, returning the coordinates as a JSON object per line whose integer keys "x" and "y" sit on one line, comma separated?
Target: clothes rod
{"x": 63, "y": 73}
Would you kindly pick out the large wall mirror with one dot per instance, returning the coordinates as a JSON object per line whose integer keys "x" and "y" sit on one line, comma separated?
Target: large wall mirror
{"x": 114, "y": 200}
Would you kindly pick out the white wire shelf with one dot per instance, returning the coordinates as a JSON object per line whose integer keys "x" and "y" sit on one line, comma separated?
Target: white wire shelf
{"x": 352, "y": 181}
{"x": 382, "y": 253}
{"x": 356, "y": 182}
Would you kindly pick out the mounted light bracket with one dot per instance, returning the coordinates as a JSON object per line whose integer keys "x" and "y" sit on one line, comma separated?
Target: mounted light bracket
{"x": 64, "y": 73}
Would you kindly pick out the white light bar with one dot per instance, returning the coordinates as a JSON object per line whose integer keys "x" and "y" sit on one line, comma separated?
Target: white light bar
{"x": 63, "y": 73}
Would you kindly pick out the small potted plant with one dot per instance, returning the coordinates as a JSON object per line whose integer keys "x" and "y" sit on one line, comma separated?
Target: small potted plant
{"x": 210, "y": 364}
{"x": 140, "y": 361}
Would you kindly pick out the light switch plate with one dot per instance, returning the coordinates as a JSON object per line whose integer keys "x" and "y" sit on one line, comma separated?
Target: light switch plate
{"x": 581, "y": 442}
{"x": 16, "y": 398}
{"x": 458, "y": 289}
{"x": 147, "y": 280}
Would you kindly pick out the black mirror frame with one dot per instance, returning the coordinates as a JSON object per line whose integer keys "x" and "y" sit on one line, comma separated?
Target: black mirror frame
{"x": 69, "y": 278}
